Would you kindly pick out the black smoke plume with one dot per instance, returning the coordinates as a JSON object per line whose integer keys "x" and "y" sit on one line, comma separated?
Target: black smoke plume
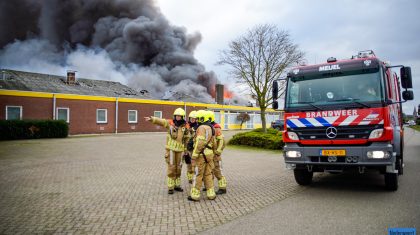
{"x": 129, "y": 41}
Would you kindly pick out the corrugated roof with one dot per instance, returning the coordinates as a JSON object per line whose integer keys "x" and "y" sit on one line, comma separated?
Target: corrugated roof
{"x": 27, "y": 81}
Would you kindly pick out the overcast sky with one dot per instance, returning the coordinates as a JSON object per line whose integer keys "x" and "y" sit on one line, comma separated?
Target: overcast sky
{"x": 321, "y": 28}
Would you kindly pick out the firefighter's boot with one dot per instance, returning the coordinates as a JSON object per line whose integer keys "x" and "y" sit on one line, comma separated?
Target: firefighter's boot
{"x": 222, "y": 186}
{"x": 171, "y": 185}
{"x": 178, "y": 185}
{"x": 195, "y": 195}
{"x": 211, "y": 195}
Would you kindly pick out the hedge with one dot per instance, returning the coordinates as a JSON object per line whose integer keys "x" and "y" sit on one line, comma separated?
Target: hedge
{"x": 33, "y": 129}
{"x": 256, "y": 138}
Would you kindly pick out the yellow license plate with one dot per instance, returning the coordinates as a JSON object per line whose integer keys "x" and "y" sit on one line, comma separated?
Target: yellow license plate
{"x": 335, "y": 152}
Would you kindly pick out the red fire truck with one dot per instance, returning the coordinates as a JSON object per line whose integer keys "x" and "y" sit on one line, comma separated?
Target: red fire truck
{"x": 345, "y": 115}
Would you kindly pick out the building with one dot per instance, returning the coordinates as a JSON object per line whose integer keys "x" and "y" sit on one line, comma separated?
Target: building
{"x": 95, "y": 106}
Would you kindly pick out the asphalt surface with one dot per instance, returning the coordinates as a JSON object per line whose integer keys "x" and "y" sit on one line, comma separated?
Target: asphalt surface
{"x": 342, "y": 204}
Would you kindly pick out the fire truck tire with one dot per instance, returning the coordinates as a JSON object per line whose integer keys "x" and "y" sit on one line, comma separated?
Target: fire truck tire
{"x": 303, "y": 176}
{"x": 391, "y": 181}
{"x": 400, "y": 165}
{"x": 400, "y": 160}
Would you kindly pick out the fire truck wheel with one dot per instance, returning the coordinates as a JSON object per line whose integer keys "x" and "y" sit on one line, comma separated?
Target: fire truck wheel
{"x": 303, "y": 176}
{"x": 400, "y": 165}
{"x": 391, "y": 181}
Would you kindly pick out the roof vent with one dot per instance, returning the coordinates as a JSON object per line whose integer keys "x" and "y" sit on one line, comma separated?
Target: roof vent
{"x": 71, "y": 77}
{"x": 331, "y": 59}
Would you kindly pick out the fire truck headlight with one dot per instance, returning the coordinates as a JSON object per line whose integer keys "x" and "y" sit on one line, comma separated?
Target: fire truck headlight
{"x": 293, "y": 154}
{"x": 376, "y": 133}
{"x": 292, "y": 135}
{"x": 378, "y": 154}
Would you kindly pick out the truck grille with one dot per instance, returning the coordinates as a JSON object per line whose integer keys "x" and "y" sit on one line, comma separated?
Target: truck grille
{"x": 343, "y": 132}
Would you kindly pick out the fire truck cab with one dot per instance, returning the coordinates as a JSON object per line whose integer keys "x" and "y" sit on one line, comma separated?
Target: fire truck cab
{"x": 344, "y": 115}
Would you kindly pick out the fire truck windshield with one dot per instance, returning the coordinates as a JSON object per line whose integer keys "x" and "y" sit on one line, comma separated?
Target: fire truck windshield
{"x": 318, "y": 92}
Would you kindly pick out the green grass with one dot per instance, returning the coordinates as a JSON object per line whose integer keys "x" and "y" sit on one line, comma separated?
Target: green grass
{"x": 416, "y": 127}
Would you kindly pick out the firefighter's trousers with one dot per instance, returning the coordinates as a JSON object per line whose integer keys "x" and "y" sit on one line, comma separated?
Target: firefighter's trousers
{"x": 190, "y": 171}
{"x": 203, "y": 172}
{"x": 174, "y": 162}
{"x": 218, "y": 172}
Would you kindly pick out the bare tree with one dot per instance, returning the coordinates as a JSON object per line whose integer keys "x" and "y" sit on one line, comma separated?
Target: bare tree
{"x": 258, "y": 58}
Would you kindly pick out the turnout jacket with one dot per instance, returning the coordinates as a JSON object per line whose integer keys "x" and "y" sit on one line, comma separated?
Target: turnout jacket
{"x": 177, "y": 136}
{"x": 203, "y": 141}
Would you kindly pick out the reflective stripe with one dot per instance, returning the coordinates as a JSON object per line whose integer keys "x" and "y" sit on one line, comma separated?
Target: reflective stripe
{"x": 178, "y": 182}
{"x": 210, "y": 193}
{"x": 370, "y": 116}
{"x": 174, "y": 145}
{"x": 348, "y": 120}
{"x": 195, "y": 193}
{"x": 294, "y": 123}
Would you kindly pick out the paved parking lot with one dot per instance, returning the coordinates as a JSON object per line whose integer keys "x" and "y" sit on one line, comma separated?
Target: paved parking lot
{"x": 115, "y": 184}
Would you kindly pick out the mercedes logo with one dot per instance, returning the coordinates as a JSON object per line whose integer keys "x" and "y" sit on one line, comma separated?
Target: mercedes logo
{"x": 331, "y": 132}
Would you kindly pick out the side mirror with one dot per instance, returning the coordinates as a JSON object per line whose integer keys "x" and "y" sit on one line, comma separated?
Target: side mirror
{"x": 408, "y": 95}
{"x": 406, "y": 80}
{"x": 275, "y": 90}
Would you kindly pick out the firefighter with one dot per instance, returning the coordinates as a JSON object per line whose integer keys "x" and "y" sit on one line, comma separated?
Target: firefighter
{"x": 175, "y": 146}
{"x": 192, "y": 125}
{"x": 219, "y": 145}
{"x": 202, "y": 158}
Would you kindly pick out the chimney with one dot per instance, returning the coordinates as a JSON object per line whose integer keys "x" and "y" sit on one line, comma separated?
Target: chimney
{"x": 71, "y": 77}
{"x": 220, "y": 93}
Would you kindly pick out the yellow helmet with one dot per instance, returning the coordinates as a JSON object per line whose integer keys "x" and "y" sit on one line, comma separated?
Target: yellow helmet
{"x": 206, "y": 116}
{"x": 212, "y": 117}
{"x": 193, "y": 114}
{"x": 200, "y": 115}
{"x": 179, "y": 112}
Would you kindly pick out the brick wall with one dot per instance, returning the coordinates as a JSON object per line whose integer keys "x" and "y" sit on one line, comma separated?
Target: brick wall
{"x": 32, "y": 108}
{"x": 83, "y": 116}
{"x": 83, "y": 113}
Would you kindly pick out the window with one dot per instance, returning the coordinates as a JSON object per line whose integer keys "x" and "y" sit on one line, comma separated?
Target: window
{"x": 63, "y": 114}
{"x": 226, "y": 121}
{"x": 13, "y": 112}
{"x": 157, "y": 114}
{"x": 341, "y": 89}
{"x": 233, "y": 118}
{"x": 250, "y": 123}
{"x": 101, "y": 116}
{"x": 132, "y": 116}
{"x": 257, "y": 119}
{"x": 217, "y": 117}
